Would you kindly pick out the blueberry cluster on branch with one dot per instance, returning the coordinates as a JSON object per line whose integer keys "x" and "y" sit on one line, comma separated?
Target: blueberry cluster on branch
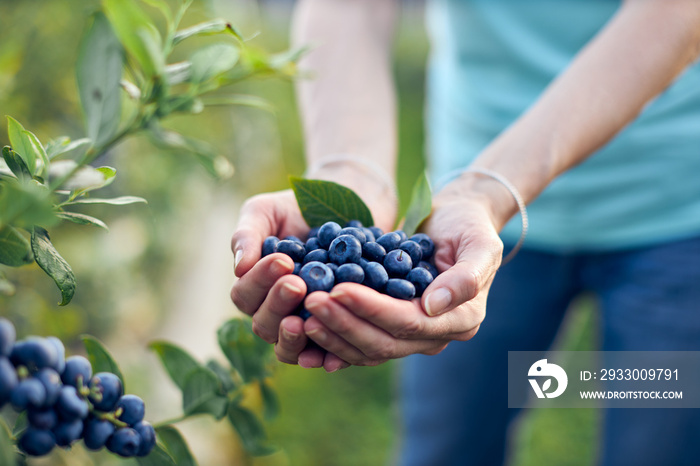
{"x": 65, "y": 402}
{"x": 390, "y": 263}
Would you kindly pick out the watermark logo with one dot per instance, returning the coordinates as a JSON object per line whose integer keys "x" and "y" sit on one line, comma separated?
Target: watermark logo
{"x": 543, "y": 369}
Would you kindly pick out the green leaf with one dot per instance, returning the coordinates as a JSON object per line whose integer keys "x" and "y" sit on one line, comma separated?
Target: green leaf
{"x": 137, "y": 34}
{"x": 175, "y": 445}
{"x": 240, "y": 99}
{"x": 21, "y": 424}
{"x": 53, "y": 264}
{"x": 324, "y": 201}
{"x": 215, "y": 26}
{"x": 271, "y": 402}
{"x": 38, "y": 150}
{"x": 82, "y": 219}
{"x": 179, "y": 72}
{"x": 85, "y": 179}
{"x": 16, "y": 164}
{"x": 99, "y": 357}
{"x": 212, "y": 61}
{"x": 250, "y": 430}
{"x": 21, "y": 144}
{"x": 63, "y": 145}
{"x": 215, "y": 164}
{"x": 15, "y": 250}
{"x": 122, "y": 200}
{"x": 224, "y": 375}
{"x": 99, "y": 71}
{"x": 25, "y": 204}
{"x": 177, "y": 362}
{"x": 420, "y": 206}
{"x": 157, "y": 457}
{"x": 246, "y": 352}
{"x": 7, "y": 451}
{"x": 202, "y": 394}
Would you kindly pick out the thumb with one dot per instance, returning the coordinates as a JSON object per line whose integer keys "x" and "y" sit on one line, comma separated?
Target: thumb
{"x": 475, "y": 266}
{"x": 253, "y": 227}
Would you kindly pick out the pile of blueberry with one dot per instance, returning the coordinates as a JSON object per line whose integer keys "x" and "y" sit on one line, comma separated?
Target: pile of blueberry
{"x": 65, "y": 402}
{"x": 391, "y": 263}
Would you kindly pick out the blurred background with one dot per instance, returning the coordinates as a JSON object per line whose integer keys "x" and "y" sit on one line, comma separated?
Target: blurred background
{"x": 164, "y": 270}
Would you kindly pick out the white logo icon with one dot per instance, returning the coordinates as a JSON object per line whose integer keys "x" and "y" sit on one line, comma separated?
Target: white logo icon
{"x": 544, "y": 369}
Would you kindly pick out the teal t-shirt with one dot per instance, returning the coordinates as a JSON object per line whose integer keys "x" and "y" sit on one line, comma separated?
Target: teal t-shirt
{"x": 491, "y": 59}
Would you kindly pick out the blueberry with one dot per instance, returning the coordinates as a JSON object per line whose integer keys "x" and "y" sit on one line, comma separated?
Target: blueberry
{"x": 349, "y": 273}
{"x": 297, "y": 268}
{"x": 125, "y": 442}
{"x": 105, "y": 390}
{"x": 333, "y": 267}
{"x": 389, "y": 241}
{"x": 356, "y": 232}
{"x": 376, "y": 231}
{"x": 375, "y": 276}
{"x": 354, "y": 224}
{"x": 291, "y": 248}
{"x": 34, "y": 353}
{"x": 296, "y": 239}
{"x": 60, "y": 351}
{"x": 363, "y": 262}
{"x": 327, "y": 233}
{"x": 373, "y": 252}
{"x": 317, "y": 276}
{"x": 402, "y": 234}
{"x": 96, "y": 432}
{"x": 313, "y": 233}
{"x": 148, "y": 438}
{"x": 318, "y": 255}
{"x": 45, "y": 418}
{"x": 344, "y": 249}
{"x": 426, "y": 244}
{"x": 312, "y": 244}
{"x": 28, "y": 392}
{"x": 51, "y": 381}
{"x": 8, "y": 380}
{"x": 69, "y": 405}
{"x": 132, "y": 408}
{"x": 36, "y": 442}
{"x": 67, "y": 432}
{"x": 77, "y": 369}
{"x": 400, "y": 288}
{"x": 304, "y": 313}
{"x": 429, "y": 267}
{"x": 7, "y": 337}
{"x": 398, "y": 263}
{"x": 268, "y": 246}
{"x": 368, "y": 234}
{"x": 421, "y": 278}
{"x": 413, "y": 249}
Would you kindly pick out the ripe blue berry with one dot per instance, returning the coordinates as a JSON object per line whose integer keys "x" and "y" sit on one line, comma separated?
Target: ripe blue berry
{"x": 132, "y": 408}
{"x": 368, "y": 234}
{"x": 28, "y": 392}
{"x": 421, "y": 278}
{"x": 373, "y": 252}
{"x": 327, "y": 233}
{"x": 34, "y": 353}
{"x": 60, "y": 351}
{"x": 51, "y": 381}
{"x": 375, "y": 276}
{"x": 67, "y": 432}
{"x": 8, "y": 380}
{"x": 45, "y": 418}
{"x": 36, "y": 442}
{"x": 313, "y": 233}
{"x": 296, "y": 239}
{"x": 7, "y": 337}
{"x": 78, "y": 371}
{"x": 268, "y": 246}
{"x": 349, "y": 273}
{"x": 317, "y": 276}
{"x": 69, "y": 405}
{"x": 397, "y": 263}
{"x": 344, "y": 249}
{"x": 400, "y": 288}
{"x": 354, "y": 224}
{"x": 96, "y": 432}
{"x": 429, "y": 267}
{"x": 148, "y": 438}
{"x": 376, "y": 231}
{"x": 389, "y": 241}
{"x": 304, "y": 313}
{"x": 105, "y": 390}
{"x": 356, "y": 232}
{"x": 413, "y": 249}
{"x": 312, "y": 244}
{"x": 318, "y": 255}
{"x": 293, "y": 249}
{"x": 297, "y": 268}
{"x": 125, "y": 442}
{"x": 426, "y": 244}
{"x": 402, "y": 234}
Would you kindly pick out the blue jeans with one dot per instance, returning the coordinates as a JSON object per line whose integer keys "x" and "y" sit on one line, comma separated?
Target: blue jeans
{"x": 454, "y": 405}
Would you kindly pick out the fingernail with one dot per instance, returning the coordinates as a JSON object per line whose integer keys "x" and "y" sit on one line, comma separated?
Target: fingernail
{"x": 339, "y": 295}
{"x": 289, "y": 292}
{"x": 279, "y": 266}
{"x": 437, "y": 301}
{"x": 237, "y": 258}
{"x": 289, "y": 335}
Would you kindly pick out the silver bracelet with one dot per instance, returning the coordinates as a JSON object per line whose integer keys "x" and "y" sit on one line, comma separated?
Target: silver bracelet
{"x": 371, "y": 167}
{"x": 518, "y": 199}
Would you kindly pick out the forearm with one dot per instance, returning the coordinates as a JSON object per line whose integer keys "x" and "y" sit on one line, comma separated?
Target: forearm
{"x": 348, "y": 105}
{"x": 634, "y": 58}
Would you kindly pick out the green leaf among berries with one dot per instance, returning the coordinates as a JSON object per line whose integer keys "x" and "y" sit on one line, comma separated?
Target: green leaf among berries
{"x": 177, "y": 362}
{"x": 420, "y": 206}
{"x": 250, "y": 430}
{"x": 171, "y": 440}
{"x": 324, "y": 201}
{"x": 100, "y": 359}
{"x": 53, "y": 264}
